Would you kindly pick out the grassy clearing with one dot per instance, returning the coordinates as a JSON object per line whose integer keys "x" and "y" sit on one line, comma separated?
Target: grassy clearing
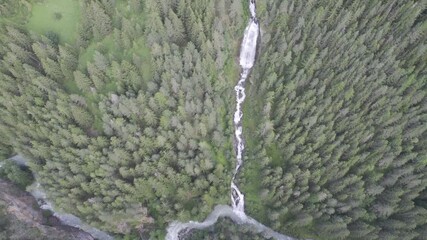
{"x": 144, "y": 52}
{"x": 58, "y": 16}
{"x": 275, "y": 154}
{"x": 221, "y": 159}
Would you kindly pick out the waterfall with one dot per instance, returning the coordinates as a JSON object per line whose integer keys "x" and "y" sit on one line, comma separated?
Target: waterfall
{"x": 247, "y": 59}
{"x": 237, "y": 210}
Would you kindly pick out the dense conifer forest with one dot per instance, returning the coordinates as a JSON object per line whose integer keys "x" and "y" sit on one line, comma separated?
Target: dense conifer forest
{"x": 338, "y": 120}
{"x": 124, "y": 108}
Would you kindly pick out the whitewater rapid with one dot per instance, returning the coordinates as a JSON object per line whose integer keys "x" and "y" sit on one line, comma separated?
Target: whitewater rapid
{"x": 177, "y": 230}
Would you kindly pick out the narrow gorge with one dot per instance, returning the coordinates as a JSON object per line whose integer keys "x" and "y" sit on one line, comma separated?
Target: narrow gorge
{"x": 236, "y": 212}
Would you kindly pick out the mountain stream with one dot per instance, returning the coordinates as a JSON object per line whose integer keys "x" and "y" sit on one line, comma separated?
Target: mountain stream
{"x": 236, "y": 212}
{"x": 177, "y": 230}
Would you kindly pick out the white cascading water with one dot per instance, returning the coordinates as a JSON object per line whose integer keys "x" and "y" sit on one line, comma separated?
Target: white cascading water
{"x": 247, "y": 59}
{"x": 237, "y": 210}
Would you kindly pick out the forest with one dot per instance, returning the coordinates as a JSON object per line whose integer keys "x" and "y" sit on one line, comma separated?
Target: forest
{"x": 125, "y": 110}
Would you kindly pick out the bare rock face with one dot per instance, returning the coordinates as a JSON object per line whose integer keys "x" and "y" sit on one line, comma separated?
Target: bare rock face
{"x": 22, "y": 210}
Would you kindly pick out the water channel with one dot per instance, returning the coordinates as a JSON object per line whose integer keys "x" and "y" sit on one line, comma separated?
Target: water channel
{"x": 236, "y": 211}
{"x": 176, "y": 230}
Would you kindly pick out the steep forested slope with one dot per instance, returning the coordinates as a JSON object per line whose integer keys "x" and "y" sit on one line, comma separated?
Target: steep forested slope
{"x": 128, "y": 126}
{"x": 336, "y": 124}
{"x": 20, "y": 218}
{"x": 126, "y": 112}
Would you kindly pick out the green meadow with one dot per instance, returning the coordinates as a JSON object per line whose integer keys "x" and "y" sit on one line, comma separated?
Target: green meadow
{"x": 58, "y": 16}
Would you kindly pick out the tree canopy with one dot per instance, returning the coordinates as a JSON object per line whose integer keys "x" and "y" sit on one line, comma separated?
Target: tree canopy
{"x": 129, "y": 126}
